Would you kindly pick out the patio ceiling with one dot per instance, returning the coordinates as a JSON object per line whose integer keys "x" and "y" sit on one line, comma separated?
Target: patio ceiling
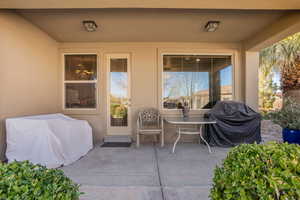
{"x": 150, "y": 25}
{"x": 191, "y": 4}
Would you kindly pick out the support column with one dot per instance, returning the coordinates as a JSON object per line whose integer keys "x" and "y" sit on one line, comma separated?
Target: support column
{"x": 251, "y": 82}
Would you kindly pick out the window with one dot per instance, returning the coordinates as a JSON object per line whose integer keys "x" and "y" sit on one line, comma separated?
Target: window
{"x": 196, "y": 80}
{"x": 80, "y": 81}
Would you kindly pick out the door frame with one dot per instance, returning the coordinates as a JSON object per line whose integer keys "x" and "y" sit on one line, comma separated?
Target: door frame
{"x": 118, "y": 130}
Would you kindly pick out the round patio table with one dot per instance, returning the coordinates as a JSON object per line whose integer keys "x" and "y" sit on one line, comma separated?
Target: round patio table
{"x": 178, "y": 121}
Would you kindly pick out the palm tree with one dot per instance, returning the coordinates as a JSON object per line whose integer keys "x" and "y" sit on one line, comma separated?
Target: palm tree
{"x": 284, "y": 57}
{"x": 267, "y": 88}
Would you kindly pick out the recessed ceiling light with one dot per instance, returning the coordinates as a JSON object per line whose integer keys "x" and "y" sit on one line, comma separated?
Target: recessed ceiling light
{"x": 90, "y": 25}
{"x": 212, "y": 26}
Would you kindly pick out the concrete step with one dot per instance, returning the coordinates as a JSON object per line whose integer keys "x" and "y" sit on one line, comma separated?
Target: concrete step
{"x": 117, "y": 138}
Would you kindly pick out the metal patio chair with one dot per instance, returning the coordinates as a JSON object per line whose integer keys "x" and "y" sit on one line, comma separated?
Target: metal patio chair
{"x": 149, "y": 122}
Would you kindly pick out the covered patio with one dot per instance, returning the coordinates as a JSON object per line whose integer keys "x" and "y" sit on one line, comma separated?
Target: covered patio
{"x": 147, "y": 173}
{"x": 104, "y": 61}
{"x": 60, "y": 67}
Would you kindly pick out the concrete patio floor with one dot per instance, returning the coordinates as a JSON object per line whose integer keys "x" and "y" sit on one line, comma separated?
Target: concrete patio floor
{"x": 147, "y": 173}
{"x": 151, "y": 172}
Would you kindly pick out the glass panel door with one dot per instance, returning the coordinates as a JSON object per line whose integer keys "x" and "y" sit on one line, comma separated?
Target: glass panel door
{"x": 119, "y": 94}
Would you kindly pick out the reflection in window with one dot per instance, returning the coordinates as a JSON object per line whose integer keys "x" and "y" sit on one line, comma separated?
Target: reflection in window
{"x": 80, "y": 67}
{"x": 80, "y": 81}
{"x": 80, "y": 95}
{"x": 226, "y": 83}
{"x": 118, "y": 92}
{"x": 199, "y": 81}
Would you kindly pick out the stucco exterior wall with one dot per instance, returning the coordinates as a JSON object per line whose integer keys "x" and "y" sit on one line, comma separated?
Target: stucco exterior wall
{"x": 32, "y": 73}
{"x": 251, "y": 78}
{"x": 146, "y": 66}
{"x": 28, "y": 71}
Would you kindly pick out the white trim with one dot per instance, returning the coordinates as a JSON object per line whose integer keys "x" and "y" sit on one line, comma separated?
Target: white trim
{"x": 80, "y": 81}
{"x": 91, "y": 81}
{"x": 118, "y": 130}
{"x": 161, "y": 82}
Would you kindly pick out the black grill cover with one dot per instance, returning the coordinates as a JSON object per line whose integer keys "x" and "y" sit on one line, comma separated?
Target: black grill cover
{"x": 236, "y": 123}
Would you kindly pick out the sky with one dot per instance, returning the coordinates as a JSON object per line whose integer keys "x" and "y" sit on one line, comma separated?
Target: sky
{"x": 276, "y": 78}
{"x": 118, "y": 84}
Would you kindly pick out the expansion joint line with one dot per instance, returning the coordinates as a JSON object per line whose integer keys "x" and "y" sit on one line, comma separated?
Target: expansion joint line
{"x": 158, "y": 172}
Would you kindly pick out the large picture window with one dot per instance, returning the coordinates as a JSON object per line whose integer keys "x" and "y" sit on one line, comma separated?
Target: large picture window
{"x": 80, "y": 81}
{"x": 198, "y": 81}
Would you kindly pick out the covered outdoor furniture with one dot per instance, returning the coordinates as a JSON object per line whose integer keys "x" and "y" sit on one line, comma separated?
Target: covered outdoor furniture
{"x": 52, "y": 140}
{"x": 149, "y": 122}
{"x": 236, "y": 123}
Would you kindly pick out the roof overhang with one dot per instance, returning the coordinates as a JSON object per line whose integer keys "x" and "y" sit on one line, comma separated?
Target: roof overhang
{"x": 177, "y": 4}
{"x": 276, "y": 31}
{"x": 151, "y": 25}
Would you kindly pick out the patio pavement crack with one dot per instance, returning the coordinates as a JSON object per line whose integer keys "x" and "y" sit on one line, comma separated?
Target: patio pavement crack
{"x": 158, "y": 173}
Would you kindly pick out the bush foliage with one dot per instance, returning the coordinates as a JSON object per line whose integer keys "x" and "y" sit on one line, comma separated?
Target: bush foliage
{"x": 25, "y": 181}
{"x": 288, "y": 116}
{"x": 259, "y": 172}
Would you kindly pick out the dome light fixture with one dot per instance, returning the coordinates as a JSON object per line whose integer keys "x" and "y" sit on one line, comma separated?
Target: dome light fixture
{"x": 211, "y": 26}
{"x": 90, "y": 25}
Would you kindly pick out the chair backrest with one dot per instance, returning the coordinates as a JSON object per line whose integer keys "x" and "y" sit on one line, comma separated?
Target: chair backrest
{"x": 149, "y": 116}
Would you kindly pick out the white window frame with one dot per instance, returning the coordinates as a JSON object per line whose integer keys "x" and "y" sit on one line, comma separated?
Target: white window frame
{"x": 79, "y": 81}
{"x": 193, "y": 54}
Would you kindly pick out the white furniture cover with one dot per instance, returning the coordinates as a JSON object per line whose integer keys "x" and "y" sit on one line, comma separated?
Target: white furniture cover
{"x": 51, "y": 140}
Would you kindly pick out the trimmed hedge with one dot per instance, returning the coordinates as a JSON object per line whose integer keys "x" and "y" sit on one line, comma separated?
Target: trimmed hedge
{"x": 26, "y": 181}
{"x": 259, "y": 172}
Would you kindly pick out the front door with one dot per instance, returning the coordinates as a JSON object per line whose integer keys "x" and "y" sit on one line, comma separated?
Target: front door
{"x": 118, "y": 119}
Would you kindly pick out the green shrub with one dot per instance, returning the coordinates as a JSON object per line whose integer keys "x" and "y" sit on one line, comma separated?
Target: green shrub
{"x": 25, "y": 181}
{"x": 288, "y": 116}
{"x": 259, "y": 172}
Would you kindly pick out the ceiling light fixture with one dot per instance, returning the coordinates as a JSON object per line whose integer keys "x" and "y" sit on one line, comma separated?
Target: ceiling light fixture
{"x": 90, "y": 25}
{"x": 212, "y": 26}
